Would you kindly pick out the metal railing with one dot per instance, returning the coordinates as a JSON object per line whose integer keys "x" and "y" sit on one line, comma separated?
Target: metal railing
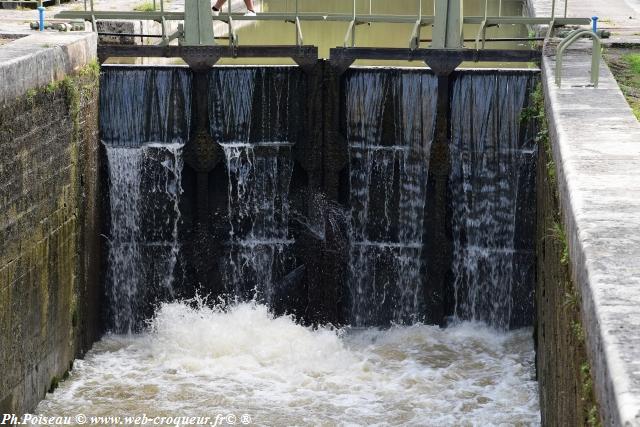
{"x": 595, "y": 55}
{"x": 353, "y": 19}
{"x": 35, "y": 2}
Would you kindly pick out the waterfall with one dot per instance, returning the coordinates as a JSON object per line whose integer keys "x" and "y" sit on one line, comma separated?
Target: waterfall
{"x": 388, "y": 180}
{"x": 249, "y": 110}
{"x": 258, "y": 215}
{"x": 145, "y": 120}
{"x": 144, "y": 105}
{"x": 491, "y": 164}
{"x": 144, "y": 196}
{"x": 124, "y": 261}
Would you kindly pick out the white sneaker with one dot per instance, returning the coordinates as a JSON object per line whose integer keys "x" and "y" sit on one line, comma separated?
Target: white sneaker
{"x": 215, "y": 12}
{"x": 250, "y": 13}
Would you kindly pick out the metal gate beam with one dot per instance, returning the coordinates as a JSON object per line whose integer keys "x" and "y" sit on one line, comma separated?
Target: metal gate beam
{"x": 198, "y": 30}
{"x": 448, "y": 25}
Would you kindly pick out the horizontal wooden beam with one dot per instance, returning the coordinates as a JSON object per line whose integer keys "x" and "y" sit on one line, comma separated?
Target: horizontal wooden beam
{"x": 399, "y": 54}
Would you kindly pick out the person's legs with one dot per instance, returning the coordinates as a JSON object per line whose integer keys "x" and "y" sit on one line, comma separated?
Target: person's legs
{"x": 219, "y": 4}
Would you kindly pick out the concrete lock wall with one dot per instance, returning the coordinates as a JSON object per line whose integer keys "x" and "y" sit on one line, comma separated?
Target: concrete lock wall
{"x": 49, "y": 212}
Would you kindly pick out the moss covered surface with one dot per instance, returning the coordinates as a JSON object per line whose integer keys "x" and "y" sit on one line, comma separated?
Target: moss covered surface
{"x": 48, "y": 222}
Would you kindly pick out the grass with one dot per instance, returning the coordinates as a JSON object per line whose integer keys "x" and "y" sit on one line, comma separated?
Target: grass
{"x": 631, "y": 82}
{"x": 146, "y": 6}
{"x": 625, "y": 66}
{"x": 633, "y": 59}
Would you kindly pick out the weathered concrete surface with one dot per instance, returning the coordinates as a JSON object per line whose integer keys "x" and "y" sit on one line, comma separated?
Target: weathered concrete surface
{"x": 49, "y": 216}
{"x": 41, "y": 58}
{"x": 596, "y": 147}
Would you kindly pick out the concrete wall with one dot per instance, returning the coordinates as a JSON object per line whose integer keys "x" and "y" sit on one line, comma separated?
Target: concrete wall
{"x": 49, "y": 214}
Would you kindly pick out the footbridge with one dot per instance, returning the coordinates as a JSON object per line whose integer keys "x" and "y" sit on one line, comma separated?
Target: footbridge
{"x": 443, "y": 52}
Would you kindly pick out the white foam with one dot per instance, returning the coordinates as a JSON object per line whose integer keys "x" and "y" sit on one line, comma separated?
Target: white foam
{"x": 200, "y": 361}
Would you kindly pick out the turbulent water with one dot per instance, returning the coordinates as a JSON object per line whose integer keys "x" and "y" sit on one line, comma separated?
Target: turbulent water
{"x": 192, "y": 360}
{"x": 201, "y": 362}
{"x": 388, "y": 180}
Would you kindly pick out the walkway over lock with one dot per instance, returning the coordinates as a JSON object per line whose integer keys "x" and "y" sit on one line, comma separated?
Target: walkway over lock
{"x": 198, "y": 44}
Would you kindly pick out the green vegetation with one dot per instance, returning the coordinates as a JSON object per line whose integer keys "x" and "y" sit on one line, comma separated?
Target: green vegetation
{"x": 557, "y": 231}
{"x": 625, "y": 66}
{"x": 578, "y": 332}
{"x": 31, "y": 96}
{"x": 631, "y": 82}
{"x": 146, "y": 6}
{"x": 55, "y": 382}
{"x": 593, "y": 414}
{"x": 633, "y": 59}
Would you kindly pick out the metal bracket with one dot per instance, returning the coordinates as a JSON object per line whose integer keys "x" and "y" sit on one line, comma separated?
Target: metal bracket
{"x": 176, "y": 35}
{"x": 414, "y": 41}
{"x": 299, "y": 37}
{"x": 350, "y": 35}
{"x": 482, "y": 31}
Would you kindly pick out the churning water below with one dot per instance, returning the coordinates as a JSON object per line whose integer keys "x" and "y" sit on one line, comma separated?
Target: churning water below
{"x": 202, "y": 361}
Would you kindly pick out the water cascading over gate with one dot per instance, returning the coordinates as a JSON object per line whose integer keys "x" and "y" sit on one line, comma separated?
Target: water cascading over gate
{"x": 144, "y": 123}
{"x": 493, "y": 156}
{"x": 262, "y": 206}
{"x": 251, "y": 121}
{"x": 390, "y": 124}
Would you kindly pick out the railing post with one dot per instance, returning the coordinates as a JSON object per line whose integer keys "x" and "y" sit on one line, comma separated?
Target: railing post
{"x": 552, "y": 24}
{"x": 482, "y": 31}
{"x": 229, "y": 23}
{"x": 353, "y": 32}
{"x": 163, "y": 23}
{"x": 414, "y": 43}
